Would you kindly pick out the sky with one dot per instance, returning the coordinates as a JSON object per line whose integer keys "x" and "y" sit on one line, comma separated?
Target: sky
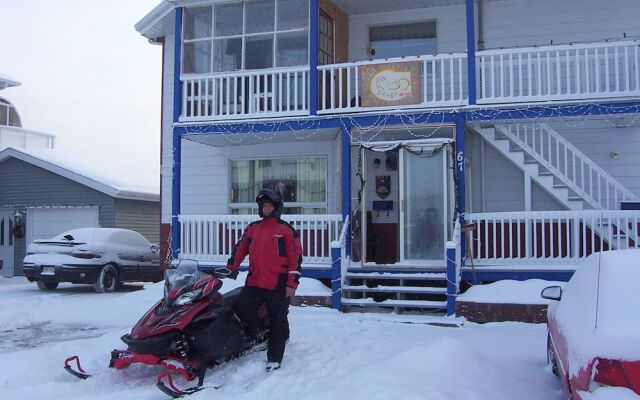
{"x": 87, "y": 76}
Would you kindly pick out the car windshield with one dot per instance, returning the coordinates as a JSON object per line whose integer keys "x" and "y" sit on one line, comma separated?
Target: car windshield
{"x": 183, "y": 275}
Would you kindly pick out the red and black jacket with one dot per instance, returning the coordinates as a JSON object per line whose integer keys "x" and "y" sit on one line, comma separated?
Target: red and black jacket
{"x": 274, "y": 250}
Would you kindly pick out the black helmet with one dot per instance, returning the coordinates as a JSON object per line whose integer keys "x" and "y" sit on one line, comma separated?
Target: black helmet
{"x": 271, "y": 196}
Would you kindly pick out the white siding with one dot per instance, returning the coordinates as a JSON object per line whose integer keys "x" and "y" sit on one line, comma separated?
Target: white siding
{"x": 205, "y": 171}
{"x": 512, "y": 23}
{"x": 450, "y": 25}
{"x": 167, "y": 130}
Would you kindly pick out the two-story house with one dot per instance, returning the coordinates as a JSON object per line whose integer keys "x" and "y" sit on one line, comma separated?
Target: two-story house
{"x": 383, "y": 123}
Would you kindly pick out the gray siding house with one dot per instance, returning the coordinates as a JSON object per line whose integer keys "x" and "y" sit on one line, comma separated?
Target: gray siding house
{"x": 43, "y": 194}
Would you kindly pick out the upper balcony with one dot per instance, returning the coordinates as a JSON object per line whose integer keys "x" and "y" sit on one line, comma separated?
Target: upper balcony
{"x": 243, "y": 60}
{"x": 572, "y": 73}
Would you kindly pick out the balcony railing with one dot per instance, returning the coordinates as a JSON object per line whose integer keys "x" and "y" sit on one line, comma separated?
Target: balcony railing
{"x": 11, "y": 136}
{"x": 575, "y": 72}
{"x": 549, "y": 237}
{"x": 442, "y": 82}
{"x": 246, "y": 94}
{"x": 568, "y": 72}
{"x": 213, "y": 237}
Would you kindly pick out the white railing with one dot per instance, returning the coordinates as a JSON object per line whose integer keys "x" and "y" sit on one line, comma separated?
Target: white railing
{"x": 246, "y": 94}
{"x": 443, "y": 82}
{"x": 551, "y": 237}
{"x": 11, "y": 136}
{"x": 213, "y": 237}
{"x": 569, "y": 72}
{"x": 568, "y": 164}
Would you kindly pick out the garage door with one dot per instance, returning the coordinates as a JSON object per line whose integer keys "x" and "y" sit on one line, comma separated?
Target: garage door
{"x": 45, "y": 223}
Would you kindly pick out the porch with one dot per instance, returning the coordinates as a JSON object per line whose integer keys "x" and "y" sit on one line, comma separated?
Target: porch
{"x": 579, "y": 72}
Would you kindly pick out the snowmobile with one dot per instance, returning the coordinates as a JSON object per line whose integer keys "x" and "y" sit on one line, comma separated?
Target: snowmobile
{"x": 192, "y": 328}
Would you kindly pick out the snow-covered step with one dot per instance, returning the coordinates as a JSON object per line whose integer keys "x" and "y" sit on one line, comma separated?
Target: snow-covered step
{"x": 368, "y": 302}
{"x": 397, "y": 289}
{"x": 431, "y": 276}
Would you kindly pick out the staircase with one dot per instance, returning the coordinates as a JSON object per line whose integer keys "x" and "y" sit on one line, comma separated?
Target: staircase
{"x": 411, "y": 292}
{"x": 557, "y": 166}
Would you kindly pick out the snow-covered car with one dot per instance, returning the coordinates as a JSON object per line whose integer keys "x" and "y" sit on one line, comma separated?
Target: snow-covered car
{"x": 593, "y": 340}
{"x": 104, "y": 257}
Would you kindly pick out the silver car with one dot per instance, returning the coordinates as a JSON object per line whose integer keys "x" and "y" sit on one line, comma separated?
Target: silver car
{"x": 104, "y": 257}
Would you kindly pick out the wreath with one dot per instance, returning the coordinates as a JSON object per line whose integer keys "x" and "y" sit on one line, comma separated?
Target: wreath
{"x": 18, "y": 230}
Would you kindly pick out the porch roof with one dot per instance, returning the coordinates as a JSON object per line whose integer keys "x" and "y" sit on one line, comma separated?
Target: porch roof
{"x": 6, "y": 82}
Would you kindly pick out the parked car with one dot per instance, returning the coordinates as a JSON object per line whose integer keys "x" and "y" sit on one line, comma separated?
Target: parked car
{"x": 594, "y": 326}
{"x": 104, "y": 257}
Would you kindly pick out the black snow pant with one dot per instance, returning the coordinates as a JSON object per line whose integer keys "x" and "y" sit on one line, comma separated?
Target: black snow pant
{"x": 277, "y": 303}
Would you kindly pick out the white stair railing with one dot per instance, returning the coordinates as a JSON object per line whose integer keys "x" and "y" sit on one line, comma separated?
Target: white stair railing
{"x": 213, "y": 237}
{"x": 550, "y": 237}
{"x": 568, "y": 164}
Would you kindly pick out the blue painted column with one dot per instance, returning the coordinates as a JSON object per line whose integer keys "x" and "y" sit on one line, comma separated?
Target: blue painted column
{"x": 452, "y": 287}
{"x": 471, "y": 51}
{"x": 460, "y": 175}
{"x": 313, "y": 56}
{"x": 336, "y": 276}
{"x": 177, "y": 138}
{"x": 346, "y": 179}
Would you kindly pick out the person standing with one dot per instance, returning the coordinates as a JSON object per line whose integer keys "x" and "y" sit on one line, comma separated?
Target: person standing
{"x": 275, "y": 258}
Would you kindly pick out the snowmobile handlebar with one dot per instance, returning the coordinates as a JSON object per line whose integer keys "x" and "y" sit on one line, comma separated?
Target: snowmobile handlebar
{"x": 225, "y": 273}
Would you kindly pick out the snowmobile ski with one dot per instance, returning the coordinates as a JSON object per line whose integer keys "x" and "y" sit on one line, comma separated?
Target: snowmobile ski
{"x": 165, "y": 383}
{"x": 78, "y": 372}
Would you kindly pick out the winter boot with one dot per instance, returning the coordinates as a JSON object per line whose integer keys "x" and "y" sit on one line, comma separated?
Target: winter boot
{"x": 272, "y": 366}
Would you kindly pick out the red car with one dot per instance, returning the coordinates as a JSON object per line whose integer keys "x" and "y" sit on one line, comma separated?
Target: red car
{"x": 594, "y": 327}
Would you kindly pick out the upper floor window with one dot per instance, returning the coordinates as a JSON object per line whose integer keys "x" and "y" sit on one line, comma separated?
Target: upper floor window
{"x": 8, "y": 114}
{"x": 402, "y": 40}
{"x": 244, "y": 35}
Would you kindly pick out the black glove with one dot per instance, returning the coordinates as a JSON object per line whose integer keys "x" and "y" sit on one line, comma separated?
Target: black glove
{"x": 226, "y": 273}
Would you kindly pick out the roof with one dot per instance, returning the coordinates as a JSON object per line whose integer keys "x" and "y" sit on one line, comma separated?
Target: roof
{"x": 6, "y": 82}
{"x": 158, "y": 21}
{"x": 119, "y": 181}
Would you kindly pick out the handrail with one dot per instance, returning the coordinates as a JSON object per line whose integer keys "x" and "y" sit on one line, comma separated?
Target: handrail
{"x": 569, "y": 164}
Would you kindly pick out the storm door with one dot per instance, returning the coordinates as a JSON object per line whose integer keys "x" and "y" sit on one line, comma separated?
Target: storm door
{"x": 6, "y": 242}
{"x": 406, "y": 205}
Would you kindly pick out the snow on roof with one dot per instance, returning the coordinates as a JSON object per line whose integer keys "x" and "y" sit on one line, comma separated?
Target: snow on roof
{"x": 116, "y": 180}
{"x": 6, "y": 82}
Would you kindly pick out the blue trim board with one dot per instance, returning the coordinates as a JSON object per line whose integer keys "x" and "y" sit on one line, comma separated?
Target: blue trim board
{"x": 499, "y": 275}
{"x": 314, "y": 32}
{"x": 552, "y": 110}
{"x": 177, "y": 140}
{"x": 471, "y": 50}
{"x": 460, "y": 176}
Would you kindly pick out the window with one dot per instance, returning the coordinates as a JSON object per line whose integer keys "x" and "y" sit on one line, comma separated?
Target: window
{"x": 8, "y": 114}
{"x": 245, "y": 35}
{"x": 301, "y": 181}
{"x": 391, "y": 41}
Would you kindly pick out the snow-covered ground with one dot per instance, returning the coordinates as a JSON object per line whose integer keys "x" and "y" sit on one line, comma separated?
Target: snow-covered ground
{"x": 330, "y": 355}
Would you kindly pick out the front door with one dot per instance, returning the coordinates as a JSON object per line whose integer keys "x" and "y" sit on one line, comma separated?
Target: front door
{"x": 6, "y": 242}
{"x": 406, "y": 205}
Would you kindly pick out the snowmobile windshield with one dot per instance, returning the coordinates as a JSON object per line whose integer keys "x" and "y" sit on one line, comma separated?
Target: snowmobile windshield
{"x": 184, "y": 275}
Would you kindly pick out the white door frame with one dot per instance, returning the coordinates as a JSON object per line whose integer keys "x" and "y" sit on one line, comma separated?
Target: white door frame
{"x": 447, "y": 199}
{"x": 7, "y": 250}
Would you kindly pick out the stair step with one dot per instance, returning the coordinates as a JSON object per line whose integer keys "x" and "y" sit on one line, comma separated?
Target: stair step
{"x": 575, "y": 198}
{"x": 396, "y": 289}
{"x": 427, "y": 276}
{"x": 395, "y": 303}
{"x": 560, "y": 186}
{"x": 545, "y": 173}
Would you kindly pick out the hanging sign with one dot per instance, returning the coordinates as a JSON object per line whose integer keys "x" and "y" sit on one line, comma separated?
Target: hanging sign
{"x": 383, "y": 186}
{"x": 390, "y": 84}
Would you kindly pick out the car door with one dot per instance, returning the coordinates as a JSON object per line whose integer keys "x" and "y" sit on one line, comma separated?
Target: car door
{"x": 128, "y": 254}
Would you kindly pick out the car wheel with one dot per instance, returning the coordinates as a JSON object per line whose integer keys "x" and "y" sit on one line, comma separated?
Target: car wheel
{"x": 47, "y": 285}
{"x": 107, "y": 280}
{"x": 551, "y": 358}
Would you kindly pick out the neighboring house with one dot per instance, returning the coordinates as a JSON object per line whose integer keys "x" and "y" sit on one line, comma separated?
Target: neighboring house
{"x": 12, "y": 134}
{"x": 43, "y": 193}
{"x": 519, "y": 120}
